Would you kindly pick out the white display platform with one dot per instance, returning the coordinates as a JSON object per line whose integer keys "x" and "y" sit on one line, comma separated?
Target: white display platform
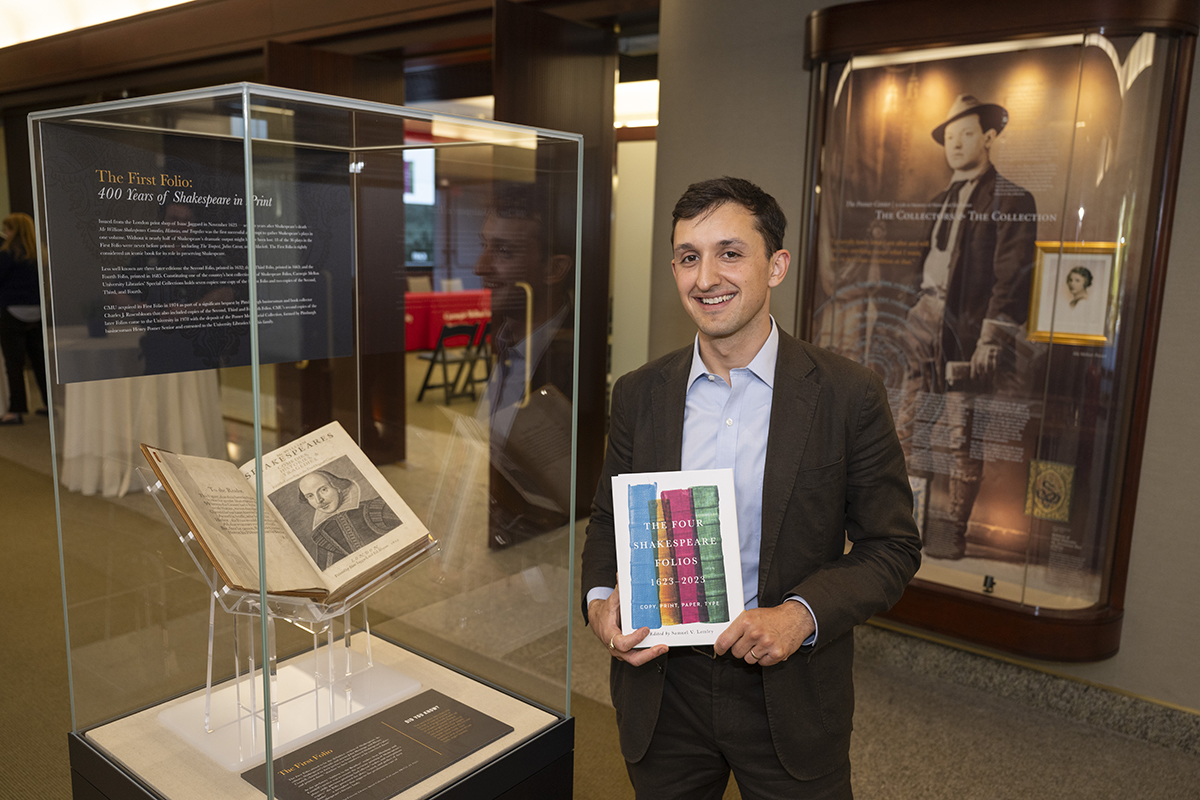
{"x": 156, "y": 755}
{"x": 309, "y": 707}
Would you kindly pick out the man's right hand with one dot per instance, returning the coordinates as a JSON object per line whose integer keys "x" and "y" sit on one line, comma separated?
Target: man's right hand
{"x": 604, "y": 617}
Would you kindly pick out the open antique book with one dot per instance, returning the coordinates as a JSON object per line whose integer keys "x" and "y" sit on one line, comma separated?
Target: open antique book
{"x": 331, "y": 522}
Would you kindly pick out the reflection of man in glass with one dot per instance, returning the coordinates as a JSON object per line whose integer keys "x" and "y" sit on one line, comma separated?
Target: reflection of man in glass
{"x": 529, "y": 281}
{"x": 974, "y": 290}
{"x": 343, "y": 522}
{"x": 527, "y": 262}
{"x": 1079, "y": 280}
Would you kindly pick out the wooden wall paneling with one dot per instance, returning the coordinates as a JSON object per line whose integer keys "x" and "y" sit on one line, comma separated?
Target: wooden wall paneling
{"x": 16, "y": 158}
{"x": 382, "y": 282}
{"x": 299, "y": 67}
{"x": 367, "y": 393}
{"x": 881, "y": 26}
{"x": 208, "y": 29}
{"x": 552, "y": 73}
{"x": 464, "y": 73}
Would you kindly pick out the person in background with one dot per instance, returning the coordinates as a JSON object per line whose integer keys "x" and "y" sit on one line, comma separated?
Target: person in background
{"x": 527, "y": 263}
{"x": 20, "y": 314}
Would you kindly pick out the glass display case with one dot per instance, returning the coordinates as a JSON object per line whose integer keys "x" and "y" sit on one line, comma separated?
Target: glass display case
{"x": 313, "y": 366}
{"x": 987, "y": 230}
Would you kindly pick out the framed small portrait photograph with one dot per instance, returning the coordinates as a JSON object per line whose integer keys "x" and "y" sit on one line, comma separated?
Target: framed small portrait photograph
{"x": 1072, "y": 292}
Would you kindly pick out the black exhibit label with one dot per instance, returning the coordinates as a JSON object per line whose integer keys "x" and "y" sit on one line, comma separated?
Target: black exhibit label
{"x": 383, "y": 755}
{"x": 147, "y": 251}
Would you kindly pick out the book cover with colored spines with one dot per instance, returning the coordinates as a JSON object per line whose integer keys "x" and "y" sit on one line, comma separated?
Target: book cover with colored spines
{"x": 706, "y": 504}
{"x": 664, "y": 560}
{"x": 643, "y": 593}
{"x": 677, "y": 506}
{"x": 678, "y": 557}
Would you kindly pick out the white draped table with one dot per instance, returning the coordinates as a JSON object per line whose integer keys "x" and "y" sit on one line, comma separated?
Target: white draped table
{"x": 106, "y": 421}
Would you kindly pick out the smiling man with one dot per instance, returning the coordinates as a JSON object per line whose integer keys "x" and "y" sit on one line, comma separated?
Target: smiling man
{"x": 526, "y": 261}
{"x": 816, "y": 461}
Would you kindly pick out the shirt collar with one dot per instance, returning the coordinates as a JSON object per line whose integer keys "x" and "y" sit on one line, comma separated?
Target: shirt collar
{"x": 762, "y": 365}
{"x": 973, "y": 179}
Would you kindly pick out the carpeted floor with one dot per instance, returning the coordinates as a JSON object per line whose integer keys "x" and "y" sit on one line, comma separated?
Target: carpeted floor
{"x": 35, "y": 712}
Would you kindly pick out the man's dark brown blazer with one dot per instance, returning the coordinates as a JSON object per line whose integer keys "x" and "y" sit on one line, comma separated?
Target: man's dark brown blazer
{"x": 834, "y": 469}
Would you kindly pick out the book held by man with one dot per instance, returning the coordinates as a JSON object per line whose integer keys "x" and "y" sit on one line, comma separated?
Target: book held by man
{"x": 331, "y": 521}
{"x": 678, "y": 558}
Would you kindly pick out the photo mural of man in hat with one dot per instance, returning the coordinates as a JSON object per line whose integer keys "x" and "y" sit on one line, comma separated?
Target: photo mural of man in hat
{"x": 974, "y": 295}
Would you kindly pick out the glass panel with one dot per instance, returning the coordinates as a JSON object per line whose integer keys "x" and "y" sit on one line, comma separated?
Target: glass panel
{"x": 1085, "y": 298}
{"x": 376, "y": 232}
{"x": 964, "y": 194}
{"x": 488, "y": 452}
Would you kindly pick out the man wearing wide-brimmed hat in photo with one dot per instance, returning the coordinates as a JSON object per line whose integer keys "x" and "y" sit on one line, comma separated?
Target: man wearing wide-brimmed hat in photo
{"x": 974, "y": 295}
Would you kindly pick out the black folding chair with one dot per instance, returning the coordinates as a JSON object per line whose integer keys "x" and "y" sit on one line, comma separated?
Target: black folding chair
{"x": 480, "y": 351}
{"x": 445, "y": 357}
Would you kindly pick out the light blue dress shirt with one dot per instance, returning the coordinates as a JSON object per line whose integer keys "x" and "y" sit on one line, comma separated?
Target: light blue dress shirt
{"x": 725, "y": 425}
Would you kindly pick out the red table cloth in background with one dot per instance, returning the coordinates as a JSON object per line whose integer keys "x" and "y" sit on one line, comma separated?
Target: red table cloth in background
{"x": 426, "y": 312}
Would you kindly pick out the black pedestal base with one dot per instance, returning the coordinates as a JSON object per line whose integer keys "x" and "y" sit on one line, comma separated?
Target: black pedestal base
{"x": 542, "y": 767}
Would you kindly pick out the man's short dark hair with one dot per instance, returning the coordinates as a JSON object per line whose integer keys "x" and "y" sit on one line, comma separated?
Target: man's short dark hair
{"x": 706, "y": 196}
{"x": 536, "y": 202}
